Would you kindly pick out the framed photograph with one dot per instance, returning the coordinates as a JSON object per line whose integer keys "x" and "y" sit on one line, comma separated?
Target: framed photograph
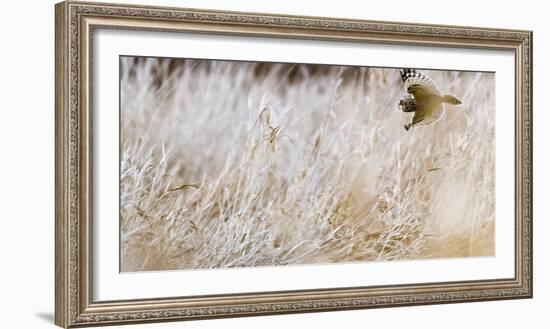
{"x": 218, "y": 164}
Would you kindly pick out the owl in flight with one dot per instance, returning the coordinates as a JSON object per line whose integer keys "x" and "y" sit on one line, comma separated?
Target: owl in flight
{"x": 423, "y": 98}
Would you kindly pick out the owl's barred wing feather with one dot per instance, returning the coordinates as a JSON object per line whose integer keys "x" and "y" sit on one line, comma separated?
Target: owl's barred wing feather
{"x": 411, "y": 77}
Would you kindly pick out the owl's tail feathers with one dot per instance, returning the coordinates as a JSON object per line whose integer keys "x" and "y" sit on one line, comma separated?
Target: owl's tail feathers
{"x": 450, "y": 99}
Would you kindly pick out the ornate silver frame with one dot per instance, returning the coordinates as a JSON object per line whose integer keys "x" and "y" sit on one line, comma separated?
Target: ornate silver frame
{"x": 75, "y": 23}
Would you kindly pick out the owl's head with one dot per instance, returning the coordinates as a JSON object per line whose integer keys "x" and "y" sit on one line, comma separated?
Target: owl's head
{"x": 406, "y": 103}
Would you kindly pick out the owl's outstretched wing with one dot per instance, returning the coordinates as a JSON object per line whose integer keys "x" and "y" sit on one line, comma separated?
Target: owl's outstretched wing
{"x": 427, "y": 115}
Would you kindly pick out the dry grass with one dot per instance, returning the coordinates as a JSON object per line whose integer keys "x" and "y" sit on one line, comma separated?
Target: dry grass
{"x": 228, "y": 164}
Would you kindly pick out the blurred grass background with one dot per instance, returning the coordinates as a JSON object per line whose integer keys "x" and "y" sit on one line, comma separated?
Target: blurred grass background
{"x": 229, "y": 164}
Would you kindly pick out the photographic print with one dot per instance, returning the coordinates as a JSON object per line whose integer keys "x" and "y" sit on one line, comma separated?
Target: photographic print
{"x": 243, "y": 164}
